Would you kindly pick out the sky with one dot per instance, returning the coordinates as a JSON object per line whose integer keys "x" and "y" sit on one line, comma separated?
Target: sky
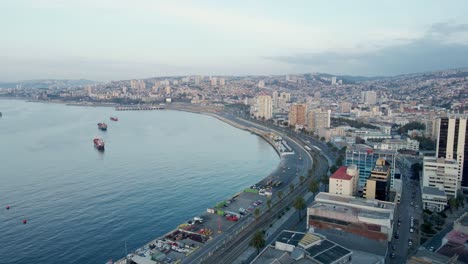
{"x": 106, "y": 40}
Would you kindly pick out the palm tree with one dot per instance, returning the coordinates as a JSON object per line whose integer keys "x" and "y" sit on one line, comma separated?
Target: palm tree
{"x": 258, "y": 241}
{"x": 269, "y": 204}
{"x": 291, "y": 188}
{"x": 280, "y": 195}
{"x": 300, "y": 205}
{"x": 314, "y": 186}
{"x": 257, "y": 213}
{"x": 301, "y": 179}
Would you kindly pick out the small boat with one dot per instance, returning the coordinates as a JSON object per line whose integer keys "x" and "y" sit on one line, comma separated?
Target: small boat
{"x": 102, "y": 126}
{"x": 114, "y": 118}
{"x": 98, "y": 144}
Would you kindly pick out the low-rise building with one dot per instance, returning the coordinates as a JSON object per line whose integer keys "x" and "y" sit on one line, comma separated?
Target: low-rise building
{"x": 397, "y": 144}
{"x": 433, "y": 199}
{"x": 344, "y": 181}
{"x": 371, "y": 219}
{"x": 304, "y": 248}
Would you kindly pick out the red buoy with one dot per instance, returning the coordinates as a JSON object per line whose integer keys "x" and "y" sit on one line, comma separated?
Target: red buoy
{"x": 25, "y": 221}
{"x": 8, "y": 207}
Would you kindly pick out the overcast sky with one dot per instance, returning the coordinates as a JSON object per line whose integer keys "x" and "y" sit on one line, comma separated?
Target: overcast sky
{"x": 117, "y": 39}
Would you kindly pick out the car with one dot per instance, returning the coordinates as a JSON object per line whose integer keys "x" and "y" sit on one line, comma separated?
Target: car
{"x": 392, "y": 255}
{"x": 250, "y": 208}
{"x": 397, "y": 236}
{"x": 259, "y": 201}
{"x": 242, "y": 211}
{"x": 431, "y": 249}
{"x": 255, "y": 204}
{"x": 232, "y": 218}
{"x": 412, "y": 203}
{"x": 411, "y": 230}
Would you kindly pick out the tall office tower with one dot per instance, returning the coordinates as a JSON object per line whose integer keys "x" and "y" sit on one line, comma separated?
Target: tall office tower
{"x": 264, "y": 107}
{"x": 214, "y": 81}
{"x": 133, "y": 84}
{"x": 297, "y": 115}
{"x": 369, "y": 97}
{"x": 333, "y": 80}
{"x": 275, "y": 99}
{"x": 261, "y": 84}
{"x": 345, "y": 107}
{"x": 88, "y": 89}
{"x": 317, "y": 119}
{"x": 222, "y": 82}
{"x": 451, "y": 144}
{"x": 365, "y": 159}
{"x": 124, "y": 89}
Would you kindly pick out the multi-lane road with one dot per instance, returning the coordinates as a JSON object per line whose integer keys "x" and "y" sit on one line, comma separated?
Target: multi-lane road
{"x": 235, "y": 239}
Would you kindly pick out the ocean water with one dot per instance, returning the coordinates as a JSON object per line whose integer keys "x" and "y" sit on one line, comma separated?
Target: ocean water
{"x": 159, "y": 169}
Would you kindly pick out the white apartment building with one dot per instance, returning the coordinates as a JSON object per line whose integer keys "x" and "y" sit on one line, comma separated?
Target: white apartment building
{"x": 344, "y": 181}
{"x": 264, "y": 107}
{"x": 442, "y": 174}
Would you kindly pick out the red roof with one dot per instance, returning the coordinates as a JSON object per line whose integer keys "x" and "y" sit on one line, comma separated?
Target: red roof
{"x": 341, "y": 174}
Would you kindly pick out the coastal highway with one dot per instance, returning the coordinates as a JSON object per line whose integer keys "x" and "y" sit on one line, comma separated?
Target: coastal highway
{"x": 289, "y": 170}
{"x": 238, "y": 240}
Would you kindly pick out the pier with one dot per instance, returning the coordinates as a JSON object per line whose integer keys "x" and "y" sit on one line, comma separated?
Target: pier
{"x": 139, "y": 108}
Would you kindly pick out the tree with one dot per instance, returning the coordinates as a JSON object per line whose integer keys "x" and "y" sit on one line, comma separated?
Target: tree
{"x": 333, "y": 168}
{"x": 257, "y": 213}
{"x": 461, "y": 199}
{"x": 325, "y": 180}
{"x": 268, "y": 202}
{"x": 280, "y": 195}
{"x": 300, "y": 205}
{"x": 258, "y": 241}
{"x": 322, "y": 139}
{"x": 314, "y": 186}
{"x": 291, "y": 188}
{"x": 301, "y": 179}
{"x": 452, "y": 203}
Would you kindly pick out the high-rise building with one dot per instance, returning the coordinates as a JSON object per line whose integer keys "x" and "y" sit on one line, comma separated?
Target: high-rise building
{"x": 369, "y": 97}
{"x": 133, "y": 84}
{"x": 333, "y": 80}
{"x": 441, "y": 173}
{"x": 261, "y": 84}
{"x": 222, "y": 82}
{"x": 264, "y": 107}
{"x": 344, "y": 181}
{"x": 365, "y": 159}
{"x": 317, "y": 119}
{"x": 141, "y": 85}
{"x": 275, "y": 99}
{"x": 452, "y": 144}
{"x": 197, "y": 80}
{"x": 378, "y": 184}
{"x": 345, "y": 107}
{"x": 88, "y": 89}
{"x": 297, "y": 115}
{"x": 214, "y": 81}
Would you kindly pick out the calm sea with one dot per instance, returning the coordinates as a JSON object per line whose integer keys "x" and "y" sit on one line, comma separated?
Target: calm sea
{"x": 159, "y": 169}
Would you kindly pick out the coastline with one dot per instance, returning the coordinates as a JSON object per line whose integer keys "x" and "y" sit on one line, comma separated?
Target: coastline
{"x": 217, "y": 116}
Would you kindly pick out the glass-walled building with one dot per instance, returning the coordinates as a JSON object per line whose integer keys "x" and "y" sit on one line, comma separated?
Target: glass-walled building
{"x": 365, "y": 158}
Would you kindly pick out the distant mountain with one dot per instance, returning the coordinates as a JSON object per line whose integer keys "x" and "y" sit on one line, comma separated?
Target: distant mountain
{"x": 46, "y": 83}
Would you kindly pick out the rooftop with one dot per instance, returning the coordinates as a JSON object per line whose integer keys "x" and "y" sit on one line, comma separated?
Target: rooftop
{"x": 457, "y": 237}
{"x": 369, "y": 150}
{"x": 341, "y": 174}
{"x": 289, "y": 237}
{"x": 357, "y": 202}
{"x": 433, "y": 191}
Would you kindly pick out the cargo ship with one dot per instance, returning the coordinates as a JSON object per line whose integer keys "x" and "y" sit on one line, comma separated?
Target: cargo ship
{"x": 99, "y": 144}
{"x": 102, "y": 126}
{"x": 114, "y": 119}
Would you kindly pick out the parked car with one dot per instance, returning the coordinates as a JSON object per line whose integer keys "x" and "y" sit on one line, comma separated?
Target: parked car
{"x": 242, "y": 211}
{"x": 232, "y": 218}
{"x": 392, "y": 255}
{"x": 259, "y": 201}
{"x": 411, "y": 230}
{"x": 250, "y": 208}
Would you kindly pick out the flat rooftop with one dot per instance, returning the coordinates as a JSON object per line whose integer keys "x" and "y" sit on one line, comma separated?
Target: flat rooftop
{"x": 433, "y": 191}
{"x": 290, "y": 238}
{"x": 357, "y": 202}
{"x": 369, "y": 150}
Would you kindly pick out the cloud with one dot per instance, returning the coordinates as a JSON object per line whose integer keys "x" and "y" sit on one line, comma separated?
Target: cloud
{"x": 442, "y": 46}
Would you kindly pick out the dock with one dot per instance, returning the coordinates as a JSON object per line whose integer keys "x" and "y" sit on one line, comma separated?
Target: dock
{"x": 139, "y": 108}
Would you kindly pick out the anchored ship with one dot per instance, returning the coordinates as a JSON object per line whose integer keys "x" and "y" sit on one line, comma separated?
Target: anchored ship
{"x": 102, "y": 126}
{"x": 114, "y": 118}
{"x": 99, "y": 144}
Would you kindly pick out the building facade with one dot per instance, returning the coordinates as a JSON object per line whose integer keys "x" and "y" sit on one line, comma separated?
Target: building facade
{"x": 365, "y": 157}
{"x": 297, "y": 115}
{"x": 378, "y": 184}
{"x": 344, "y": 181}
{"x": 451, "y": 144}
{"x": 442, "y": 174}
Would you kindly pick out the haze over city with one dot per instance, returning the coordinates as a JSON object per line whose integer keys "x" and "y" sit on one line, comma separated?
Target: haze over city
{"x": 110, "y": 40}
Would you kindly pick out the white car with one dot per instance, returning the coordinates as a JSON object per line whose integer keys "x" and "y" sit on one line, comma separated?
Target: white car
{"x": 411, "y": 230}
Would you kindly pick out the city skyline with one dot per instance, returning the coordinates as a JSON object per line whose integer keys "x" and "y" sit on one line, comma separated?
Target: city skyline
{"x": 112, "y": 40}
